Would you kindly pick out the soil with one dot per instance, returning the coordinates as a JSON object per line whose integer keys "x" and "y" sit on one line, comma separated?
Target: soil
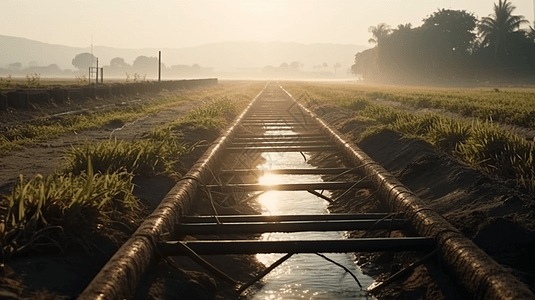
{"x": 498, "y": 215}
{"x": 64, "y": 275}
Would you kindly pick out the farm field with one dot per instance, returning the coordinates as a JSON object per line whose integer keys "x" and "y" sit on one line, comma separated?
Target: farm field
{"x": 476, "y": 173}
{"x": 481, "y": 140}
{"x": 123, "y": 160}
{"x": 79, "y": 184}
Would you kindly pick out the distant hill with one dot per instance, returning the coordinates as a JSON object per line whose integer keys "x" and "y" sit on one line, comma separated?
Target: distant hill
{"x": 222, "y": 57}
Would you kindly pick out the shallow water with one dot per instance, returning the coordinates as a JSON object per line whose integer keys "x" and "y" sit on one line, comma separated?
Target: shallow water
{"x": 303, "y": 276}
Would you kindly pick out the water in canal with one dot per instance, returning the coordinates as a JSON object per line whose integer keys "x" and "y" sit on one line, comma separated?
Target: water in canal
{"x": 303, "y": 276}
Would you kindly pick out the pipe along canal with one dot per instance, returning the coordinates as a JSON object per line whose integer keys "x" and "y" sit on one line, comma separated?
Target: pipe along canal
{"x": 263, "y": 157}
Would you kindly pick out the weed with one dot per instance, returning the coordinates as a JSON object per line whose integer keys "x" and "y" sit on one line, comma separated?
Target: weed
{"x": 139, "y": 78}
{"x": 5, "y": 82}
{"x": 80, "y": 79}
{"x": 33, "y": 80}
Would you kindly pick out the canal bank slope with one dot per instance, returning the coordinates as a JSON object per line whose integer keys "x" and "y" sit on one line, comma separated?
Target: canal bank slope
{"x": 496, "y": 215}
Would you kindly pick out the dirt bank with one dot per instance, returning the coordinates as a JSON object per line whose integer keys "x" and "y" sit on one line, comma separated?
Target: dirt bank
{"x": 496, "y": 214}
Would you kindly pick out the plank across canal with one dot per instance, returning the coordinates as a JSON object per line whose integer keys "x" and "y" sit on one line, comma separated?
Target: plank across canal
{"x": 334, "y": 185}
{"x": 281, "y": 218}
{"x": 299, "y": 246}
{"x": 289, "y": 226}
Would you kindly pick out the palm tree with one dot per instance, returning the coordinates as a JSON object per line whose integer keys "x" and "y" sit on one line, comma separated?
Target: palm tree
{"x": 379, "y": 33}
{"x": 498, "y": 29}
{"x": 406, "y": 27}
{"x": 531, "y": 32}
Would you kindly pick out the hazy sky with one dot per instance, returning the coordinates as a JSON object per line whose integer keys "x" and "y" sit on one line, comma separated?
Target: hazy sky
{"x": 178, "y": 23}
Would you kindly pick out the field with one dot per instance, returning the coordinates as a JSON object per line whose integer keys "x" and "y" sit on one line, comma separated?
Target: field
{"x": 476, "y": 173}
{"x": 467, "y": 123}
{"x": 82, "y": 182}
{"x": 79, "y": 184}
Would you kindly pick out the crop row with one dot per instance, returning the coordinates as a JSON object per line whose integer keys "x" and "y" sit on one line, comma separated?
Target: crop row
{"x": 23, "y": 135}
{"x": 482, "y": 144}
{"x": 508, "y": 105}
{"x": 24, "y": 98}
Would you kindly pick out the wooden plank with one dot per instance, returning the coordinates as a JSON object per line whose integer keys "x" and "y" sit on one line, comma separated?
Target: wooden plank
{"x": 290, "y": 148}
{"x": 334, "y": 185}
{"x": 294, "y": 226}
{"x": 258, "y": 172}
{"x": 282, "y": 218}
{"x": 300, "y": 246}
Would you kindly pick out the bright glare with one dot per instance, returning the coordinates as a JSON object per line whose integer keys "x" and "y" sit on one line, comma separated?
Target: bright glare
{"x": 270, "y": 203}
{"x": 270, "y": 179}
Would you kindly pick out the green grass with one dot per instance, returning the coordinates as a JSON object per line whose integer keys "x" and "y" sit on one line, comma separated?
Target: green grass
{"x": 145, "y": 157}
{"x": 78, "y": 201}
{"x": 45, "y": 212}
{"x": 481, "y": 143}
{"x": 513, "y": 106}
{"x": 15, "y": 137}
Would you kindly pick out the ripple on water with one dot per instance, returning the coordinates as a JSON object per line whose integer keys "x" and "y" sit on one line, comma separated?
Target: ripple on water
{"x": 303, "y": 276}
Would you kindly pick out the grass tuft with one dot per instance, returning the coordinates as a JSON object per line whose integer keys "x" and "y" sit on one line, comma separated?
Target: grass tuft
{"x": 46, "y": 212}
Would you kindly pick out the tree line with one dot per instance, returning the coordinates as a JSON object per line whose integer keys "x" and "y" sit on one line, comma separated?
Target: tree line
{"x": 142, "y": 64}
{"x": 451, "y": 46}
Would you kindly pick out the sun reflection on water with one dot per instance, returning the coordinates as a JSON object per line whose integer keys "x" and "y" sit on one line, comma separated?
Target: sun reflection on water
{"x": 304, "y": 276}
{"x": 270, "y": 179}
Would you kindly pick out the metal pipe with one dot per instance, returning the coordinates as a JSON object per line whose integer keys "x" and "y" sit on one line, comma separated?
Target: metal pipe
{"x": 264, "y": 272}
{"x": 119, "y": 278}
{"x": 321, "y": 196}
{"x": 479, "y": 273}
{"x": 401, "y": 273}
{"x": 208, "y": 266}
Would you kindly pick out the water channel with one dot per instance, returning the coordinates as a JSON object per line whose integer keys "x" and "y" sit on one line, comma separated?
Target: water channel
{"x": 303, "y": 276}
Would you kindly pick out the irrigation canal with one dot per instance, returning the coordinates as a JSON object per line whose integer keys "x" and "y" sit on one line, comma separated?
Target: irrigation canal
{"x": 263, "y": 157}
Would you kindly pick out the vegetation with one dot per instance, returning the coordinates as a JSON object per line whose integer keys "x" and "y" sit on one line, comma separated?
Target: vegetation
{"x": 508, "y": 106}
{"x": 145, "y": 157}
{"x": 451, "y": 46}
{"x": 64, "y": 209}
{"x": 14, "y": 137}
{"x": 5, "y": 82}
{"x": 43, "y": 211}
{"x": 481, "y": 143}
{"x": 83, "y": 61}
{"x": 511, "y": 106}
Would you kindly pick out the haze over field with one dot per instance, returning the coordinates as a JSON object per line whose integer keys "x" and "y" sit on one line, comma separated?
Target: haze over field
{"x": 229, "y": 35}
{"x": 179, "y": 23}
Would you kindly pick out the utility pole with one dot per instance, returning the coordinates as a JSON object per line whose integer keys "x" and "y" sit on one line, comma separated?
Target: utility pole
{"x": 160, "y": 65}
